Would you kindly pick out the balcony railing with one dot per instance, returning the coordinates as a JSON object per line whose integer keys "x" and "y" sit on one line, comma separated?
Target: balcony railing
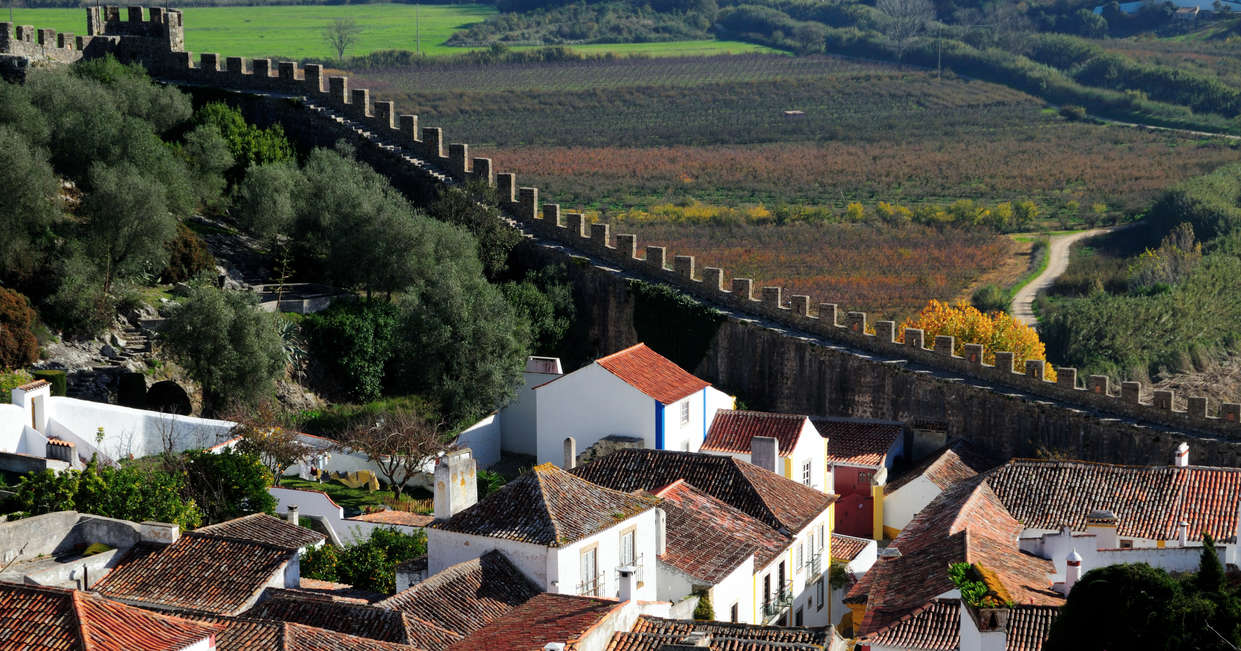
{"x": 814, "y": 565}
{"x": 593, "y": 586}
{"x": 779, "y": 602}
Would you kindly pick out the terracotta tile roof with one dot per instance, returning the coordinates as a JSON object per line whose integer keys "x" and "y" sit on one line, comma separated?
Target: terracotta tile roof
{"x": 937, "y": 627}
{"x": 966, "y": 523}
{"x": 263, "y": 528}
{"x": 547, "y": 506}
{"x": 336, "y": 591}
{"x": 467, "y": 596}
{"x": 846, "y": 548}
{"x": 354, "y": 619}
{"x": 858, "y": 442}
{"x": 29, "y": 386}
{"x": 764, "y": 496}
{"x": 205, "y": 573}
{"x": 732, "y": 430}
{"x": 651, "y": 633}
{"x": 707, "y": 539}
{"x": 249, "y": 634}
{"x": 390, "y": 516}
{"x": 950, "y": 464}
{"x": 934, "y": 627}
{"x": 37, "y": 617}
{"x": 652, "y": 374}
{"x": 1150, "y": 501}
{"x": 55, "y": 441}
{"x": 545, "y": 618}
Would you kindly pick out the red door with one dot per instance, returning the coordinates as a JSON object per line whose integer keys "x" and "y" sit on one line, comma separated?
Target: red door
{"x": 855, "y": 515}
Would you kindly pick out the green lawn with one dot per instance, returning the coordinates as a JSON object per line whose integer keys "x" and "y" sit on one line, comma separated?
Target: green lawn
{"x": 352, "y": 499}
{"x": 296, "y": 31}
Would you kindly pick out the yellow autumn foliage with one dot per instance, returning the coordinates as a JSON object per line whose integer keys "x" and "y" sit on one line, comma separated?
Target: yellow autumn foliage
{"x": 997, "y": 331}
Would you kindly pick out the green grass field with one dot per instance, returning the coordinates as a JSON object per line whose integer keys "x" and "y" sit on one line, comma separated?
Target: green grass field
{"x": 296, "y": 31}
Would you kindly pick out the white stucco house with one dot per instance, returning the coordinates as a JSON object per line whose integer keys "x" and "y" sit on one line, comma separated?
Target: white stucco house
{"x": 908, "y": 494}
{"x": 800, "y": 452}
{"x": 568, "y": 535}
{"x": 40, "y": 430}
{"x": 635, "y": 393}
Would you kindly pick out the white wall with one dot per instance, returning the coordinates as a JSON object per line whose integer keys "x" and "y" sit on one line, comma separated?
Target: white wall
{"x": 804, "y": 590}
{"x": 483, "y": 440}
{"x": 736, "y": 588}
{"x": 565, "y": 563}
{"x": 134, "y": 431}
{"x": 590, "y": 404}
{"x": 703, "y": 406}
{"x": 519, "y": 418}
{"x": 901, "y": 505}
{"x": 316, "y": 504}
{"x": 447, "y": 548}
{"x": 12, "y": 420}
{"x": 811, "y": 447}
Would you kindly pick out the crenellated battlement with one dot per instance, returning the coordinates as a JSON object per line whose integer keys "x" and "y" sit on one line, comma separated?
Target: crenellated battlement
{"x": 405, "y": 142}
{"x": 150, "y": 36}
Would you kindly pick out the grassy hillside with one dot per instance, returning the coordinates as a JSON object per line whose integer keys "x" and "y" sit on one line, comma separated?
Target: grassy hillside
{"x": 296, "y": 31}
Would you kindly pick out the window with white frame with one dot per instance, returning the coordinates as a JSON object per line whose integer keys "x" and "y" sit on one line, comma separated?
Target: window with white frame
{"x": 805, "y": 473}
{"x": 685, "y": 412}
{"x": 590, "y": 573}
{"x": 801, "y": 555}
{"x": 627, "y": 548}
{"x": 820, "y": 537}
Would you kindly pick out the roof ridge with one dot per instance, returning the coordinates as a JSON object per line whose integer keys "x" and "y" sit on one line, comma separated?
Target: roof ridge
{"x": 538, "y": 477}
{"x": 248, "y": 541}
{"x": 622, "y": 351}
{"x": 83, "y": 628}
{"x": 754, "y": 412}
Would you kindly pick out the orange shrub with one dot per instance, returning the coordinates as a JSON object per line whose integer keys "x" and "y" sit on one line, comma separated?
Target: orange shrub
{"x": 996, "y": 331}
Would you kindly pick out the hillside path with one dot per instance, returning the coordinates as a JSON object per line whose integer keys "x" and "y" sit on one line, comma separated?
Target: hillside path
{"x": 1057, "y": 262}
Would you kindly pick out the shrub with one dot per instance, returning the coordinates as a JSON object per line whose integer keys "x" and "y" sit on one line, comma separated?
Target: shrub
{"x": 187, "y": 256}
{"x": 356, "y": 341}
{"x": 990, "y": 298}
{"x": 127, "y": 493}
{"x": 704, "y": 612}
{"x": 367, "y": 565}
{"x": 55, "y": 377}
{"x": 11, "y": 380}
{"x": 18, "y": 344}
{"x": 1073, "y": 113}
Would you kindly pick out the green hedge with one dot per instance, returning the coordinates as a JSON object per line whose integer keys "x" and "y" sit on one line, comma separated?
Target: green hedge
{"x": 57, "y": 378}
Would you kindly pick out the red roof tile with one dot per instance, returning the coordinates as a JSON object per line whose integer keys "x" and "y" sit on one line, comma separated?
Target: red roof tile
{"x": 351, "y": 618}
{"x": 37, "y": 384}
{"x": 263, "y": 528}
{"x": 707, "y": 539}
{"x": 545, "y": 618}
{"x": 763, "y": 495}
{"x": 846, "y": 548}
{"x": 652, "y": 374}
{"x": 336, "y": 591}
{"x": 948, "y": 465}
{"x": 547, "y": 506}
{"x": 468, "y": 595}
{"x": 249, "y": 634}
{"x": 390, "y": 516}
{"x": 37, "y": 617}
{"x": 652, "y": 633}
{"x": 1150, "y": 501}
{"x": 966, "y": 523}
{"x": 937, "y": 627}
{"x": 205, "y": 573}
{"x": 858, "y": 442}
{"x": 732, "y": 430}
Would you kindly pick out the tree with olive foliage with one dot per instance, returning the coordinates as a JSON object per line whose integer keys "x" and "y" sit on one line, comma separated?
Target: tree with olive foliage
{"x": 906, "y": 19}
{"x": 18, "y": 345}
{"x": 226, "y": 344}
{"x": 367, "y": 565}
{"x": 128, "y": 223}
{"x": 474, "y": 209}
{"x": 249, "y": 144}
{"x": 995, "y": 331}
{"x": 545, "y": 298}
{"x": 356, "y": 342}
{"x": 266, "y": 202}
{"x": 31, "y": 203}
{"x": 208, "y": 157}
{"x": 399, "y": 443}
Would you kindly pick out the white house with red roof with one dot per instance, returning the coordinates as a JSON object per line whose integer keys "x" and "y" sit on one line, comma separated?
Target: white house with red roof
{"x": 786, "y": 444}
{"x": 635, "y": 393}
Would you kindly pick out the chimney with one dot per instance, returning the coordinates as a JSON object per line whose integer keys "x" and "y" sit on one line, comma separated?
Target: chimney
{"x": 889, "y": 553}
{"x": 570, "y": 453}
{"x": 765, "y": 453}
{"x": 1102, "y": 524}
{"x": 661, "y": 532}
{"x": 1182, "y": 534}
{"x": 628, "y": 583}
{"x": 1072, "y": 571}
{"x": 292, "y": 516}
{"x": 1181, "y": 460}
{"x": 456, "y": 483}
{"x": 554, "y": 646}
{"x": 694, "y": 641}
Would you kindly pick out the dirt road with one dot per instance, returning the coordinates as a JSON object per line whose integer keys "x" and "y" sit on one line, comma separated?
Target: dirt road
{"x": 1057, "y": 262}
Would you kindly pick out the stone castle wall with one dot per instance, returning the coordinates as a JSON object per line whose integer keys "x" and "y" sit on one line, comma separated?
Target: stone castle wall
{"x": 884, "y": 377}
{"x": 146, "y": 35}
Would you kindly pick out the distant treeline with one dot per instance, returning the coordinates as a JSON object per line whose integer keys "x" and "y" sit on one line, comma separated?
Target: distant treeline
{"x": 62, "y": 4}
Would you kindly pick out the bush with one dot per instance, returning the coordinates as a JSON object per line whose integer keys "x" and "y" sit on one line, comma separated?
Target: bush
{"x": 990, "y": 298}
{"x": 18, "y": 344}
{"x": 703, "y": 611}
{"x": 1073, "y": 113}
{"x": 187, "y": 256}
{"x": 11, "y": 380}
{"x": 248, "y": 144}
{"x": 126, "y": 493}
{"x": 55, "y": 378}
{"x": 356, "y": 341}
{"x": 367, "y": 565}
{"x": 227, "y": 485}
